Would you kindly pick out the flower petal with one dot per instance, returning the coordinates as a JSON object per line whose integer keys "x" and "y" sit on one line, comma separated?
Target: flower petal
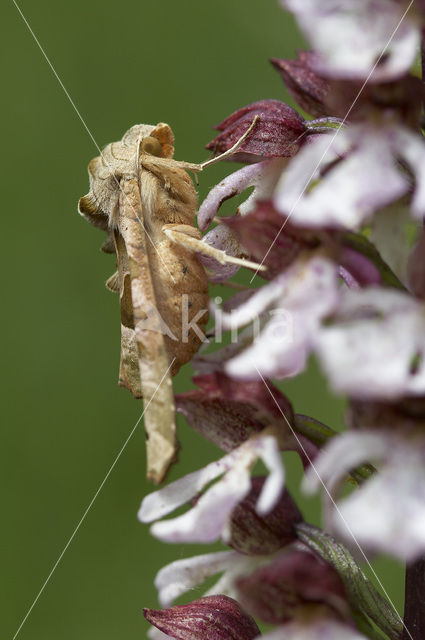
{"x": 156, "y": 634}
{"x": 263, "y": 176}
{"x": 341, "y": 455}
{"x": 304, "y": 294}
{"x": 358, "y": 181}
{"x": 222, "y": 238}
{"x": 208, "y": 519}
{"x": 182, "y": 575}
{"x": 375, "y": 346}
{"x": 387, "y": 513}
{"x": 412, "y": 148}
{"x": 352, "y": 37}
{"x": 160, "y": 503}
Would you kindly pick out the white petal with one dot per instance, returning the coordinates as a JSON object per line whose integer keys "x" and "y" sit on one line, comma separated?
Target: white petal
{"x": 366, "y": 179}
{"x": 263, "y": 176}
{"x": 231, "y": 185}
{"x": 375, "y": 348}
{"x": 387, "y": 513}
{"x": 309, "y": 291}
{"x": 343, "y": 453}
{"x": 278, "y": 352}
{"x": 207, "y": 520}
{"x": 241, "y": 566}
{"x": 215, "y": 360}
{"x": 264, "y": 184}
{"x": 256, "y": 304}
{"x": 182, "y": 575}
{"x": 351, "y": 36}
{"x": 412, "y": 148}
{"x": 275, "y": 481}
{"x": 166, "y": 500}
{"x": 156, "y": 634}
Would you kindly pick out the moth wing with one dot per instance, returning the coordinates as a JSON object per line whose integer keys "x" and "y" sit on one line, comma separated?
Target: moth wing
{"x": 142, "y": 340}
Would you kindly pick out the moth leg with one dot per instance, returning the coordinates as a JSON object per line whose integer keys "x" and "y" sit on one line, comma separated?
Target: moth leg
{"x": 190, "y": 238}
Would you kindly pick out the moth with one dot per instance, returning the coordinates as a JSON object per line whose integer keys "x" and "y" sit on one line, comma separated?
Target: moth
{"x": 146, "y": 203}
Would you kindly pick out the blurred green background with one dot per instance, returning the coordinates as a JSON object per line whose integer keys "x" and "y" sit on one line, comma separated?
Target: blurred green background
{"x": 188, "y": 63}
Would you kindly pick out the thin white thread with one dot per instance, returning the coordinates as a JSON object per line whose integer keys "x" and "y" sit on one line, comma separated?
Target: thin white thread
{"x": 89, "y": 506}
{"x": 334, "y": 504}
{"x": 338, "y": 129}
{"x": 86, "y": 128}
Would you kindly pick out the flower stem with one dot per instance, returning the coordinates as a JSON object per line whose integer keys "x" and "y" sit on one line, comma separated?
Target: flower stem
{"x": 414, "y": 604}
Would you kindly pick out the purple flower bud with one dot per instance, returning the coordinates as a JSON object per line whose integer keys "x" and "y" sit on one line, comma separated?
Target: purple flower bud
{"x": 275, "y": 593}
{"x": 277, "y": 133}
{"x": 253, "y": 534}
{"x": 209, "y": 618}
{"x": 303, "y": 83}
{"x": 228, "y": 413}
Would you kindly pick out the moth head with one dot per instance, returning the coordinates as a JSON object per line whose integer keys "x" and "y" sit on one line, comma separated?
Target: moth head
{"x": 163, "y": 134}
{"x": 151, "y": 145}
{"x": 158, "y": 140}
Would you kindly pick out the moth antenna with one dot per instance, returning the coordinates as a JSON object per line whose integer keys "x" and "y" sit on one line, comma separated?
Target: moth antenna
{"x": 235, "y": 147}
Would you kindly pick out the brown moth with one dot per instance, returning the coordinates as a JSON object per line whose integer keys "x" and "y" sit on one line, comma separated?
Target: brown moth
{"x": 146, "y": 202}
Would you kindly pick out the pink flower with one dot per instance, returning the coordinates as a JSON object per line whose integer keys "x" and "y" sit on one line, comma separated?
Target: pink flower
{"x": 374, "y": 344}
{"x": 387, "y": 513}
{"x": 359, "y": 173}
{"x": 209, "y": 518}
{"x": 352, "y": 37}
{"x": 296, "y": 302}
{"x": 181, "y": 576}
{"x": 263, "y": 176}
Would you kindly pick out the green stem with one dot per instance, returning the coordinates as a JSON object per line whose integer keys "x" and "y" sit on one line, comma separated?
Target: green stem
{"x": 362, "y": 245}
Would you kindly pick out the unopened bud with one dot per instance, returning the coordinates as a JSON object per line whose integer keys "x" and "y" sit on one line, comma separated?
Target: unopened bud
{"x": 213, "y": 618}
{"x": 303, "y": 83}
{"x": 277, "y": 133}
